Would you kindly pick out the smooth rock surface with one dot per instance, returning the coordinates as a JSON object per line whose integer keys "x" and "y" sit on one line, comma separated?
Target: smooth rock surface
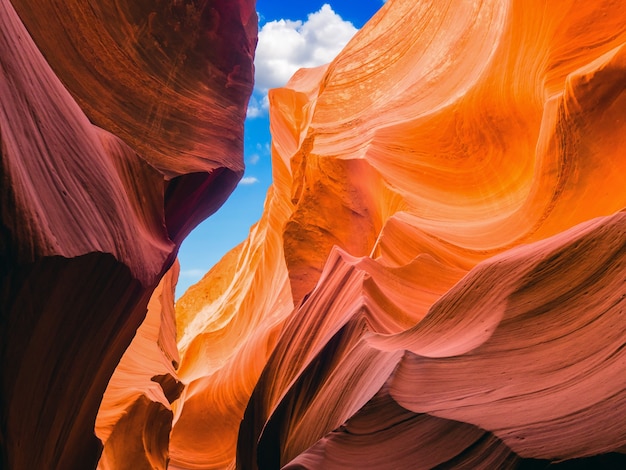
{"x": 438, "y": 279}
{"x": 118, "y": 134}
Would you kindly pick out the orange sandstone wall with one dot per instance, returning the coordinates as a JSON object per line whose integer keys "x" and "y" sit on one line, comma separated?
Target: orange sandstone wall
{"x": 439, "y": 276}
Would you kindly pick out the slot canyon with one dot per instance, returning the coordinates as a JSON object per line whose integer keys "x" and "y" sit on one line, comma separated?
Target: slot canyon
{"x": 438, "y": 278}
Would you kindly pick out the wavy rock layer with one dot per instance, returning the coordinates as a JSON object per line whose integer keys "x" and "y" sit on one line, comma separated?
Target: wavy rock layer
{"x": 439, "y": 277}
{"x": 118, "y": 134}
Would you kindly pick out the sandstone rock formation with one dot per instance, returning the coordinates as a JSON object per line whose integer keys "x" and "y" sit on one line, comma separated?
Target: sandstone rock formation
{"x": 438, "y": 279}
{"x": 439, "y": 276}
{"x": 120, "y": 129}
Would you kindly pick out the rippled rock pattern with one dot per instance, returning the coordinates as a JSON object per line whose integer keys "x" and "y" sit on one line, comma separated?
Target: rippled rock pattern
{"x": 121, "y": 126}
{"x": 438, "y": 279}
{"x": 439, "y": 276}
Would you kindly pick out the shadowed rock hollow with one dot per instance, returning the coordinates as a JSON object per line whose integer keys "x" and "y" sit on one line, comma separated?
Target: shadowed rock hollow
{"x": 121, "y": 128}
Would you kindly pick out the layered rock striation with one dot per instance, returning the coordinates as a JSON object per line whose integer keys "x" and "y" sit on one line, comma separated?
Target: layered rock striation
{"x": 439, "y": 277}
{"x": 121, "y": 127}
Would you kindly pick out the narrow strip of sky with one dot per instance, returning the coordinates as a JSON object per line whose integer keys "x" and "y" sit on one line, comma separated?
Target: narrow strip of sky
{"x": 291, "y": 35}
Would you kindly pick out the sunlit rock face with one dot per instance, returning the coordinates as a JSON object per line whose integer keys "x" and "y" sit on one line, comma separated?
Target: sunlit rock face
{"x": 121, "y": 128}
{"x": 439, "y": 276}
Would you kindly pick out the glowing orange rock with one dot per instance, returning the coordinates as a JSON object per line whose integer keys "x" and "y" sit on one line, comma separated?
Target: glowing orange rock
{"x": 431, "y": 218}
{"x": 228, "y": 325}
{"x": 135, "y": 416}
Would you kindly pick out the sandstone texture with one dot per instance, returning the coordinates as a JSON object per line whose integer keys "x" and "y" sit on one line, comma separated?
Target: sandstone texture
{"x": 439, "y": 277}
{"x": 121, "y": 127}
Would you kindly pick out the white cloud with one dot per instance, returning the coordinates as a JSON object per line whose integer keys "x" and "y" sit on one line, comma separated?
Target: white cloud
{"x": 257, "y": 106}
{"x": 285, "y": 46}
{"x": 254, "y": 109}
{"x": 263, "y": 148}
{"x": 246, "y": 180}
{"x": 254, "y": 159}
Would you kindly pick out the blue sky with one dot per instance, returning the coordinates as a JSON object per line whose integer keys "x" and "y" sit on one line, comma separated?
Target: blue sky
{"x": 292, "y": 34}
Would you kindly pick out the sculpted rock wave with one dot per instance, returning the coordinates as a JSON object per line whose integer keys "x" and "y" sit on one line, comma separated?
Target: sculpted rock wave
{"x": 120, "y": 129}
{"x": 438, "y": 278}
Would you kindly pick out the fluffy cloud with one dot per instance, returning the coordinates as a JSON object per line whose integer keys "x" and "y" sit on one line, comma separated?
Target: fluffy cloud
{"x": 258, "y": 104}
{"x": 246, "y": 180}
{"x": 285, "y": 46}
{"x": 254, "y": 108}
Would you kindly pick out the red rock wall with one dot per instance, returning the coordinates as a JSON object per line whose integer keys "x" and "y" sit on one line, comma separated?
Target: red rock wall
{"x": 120, "y": 129}
{"x": 438, "y": 278}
